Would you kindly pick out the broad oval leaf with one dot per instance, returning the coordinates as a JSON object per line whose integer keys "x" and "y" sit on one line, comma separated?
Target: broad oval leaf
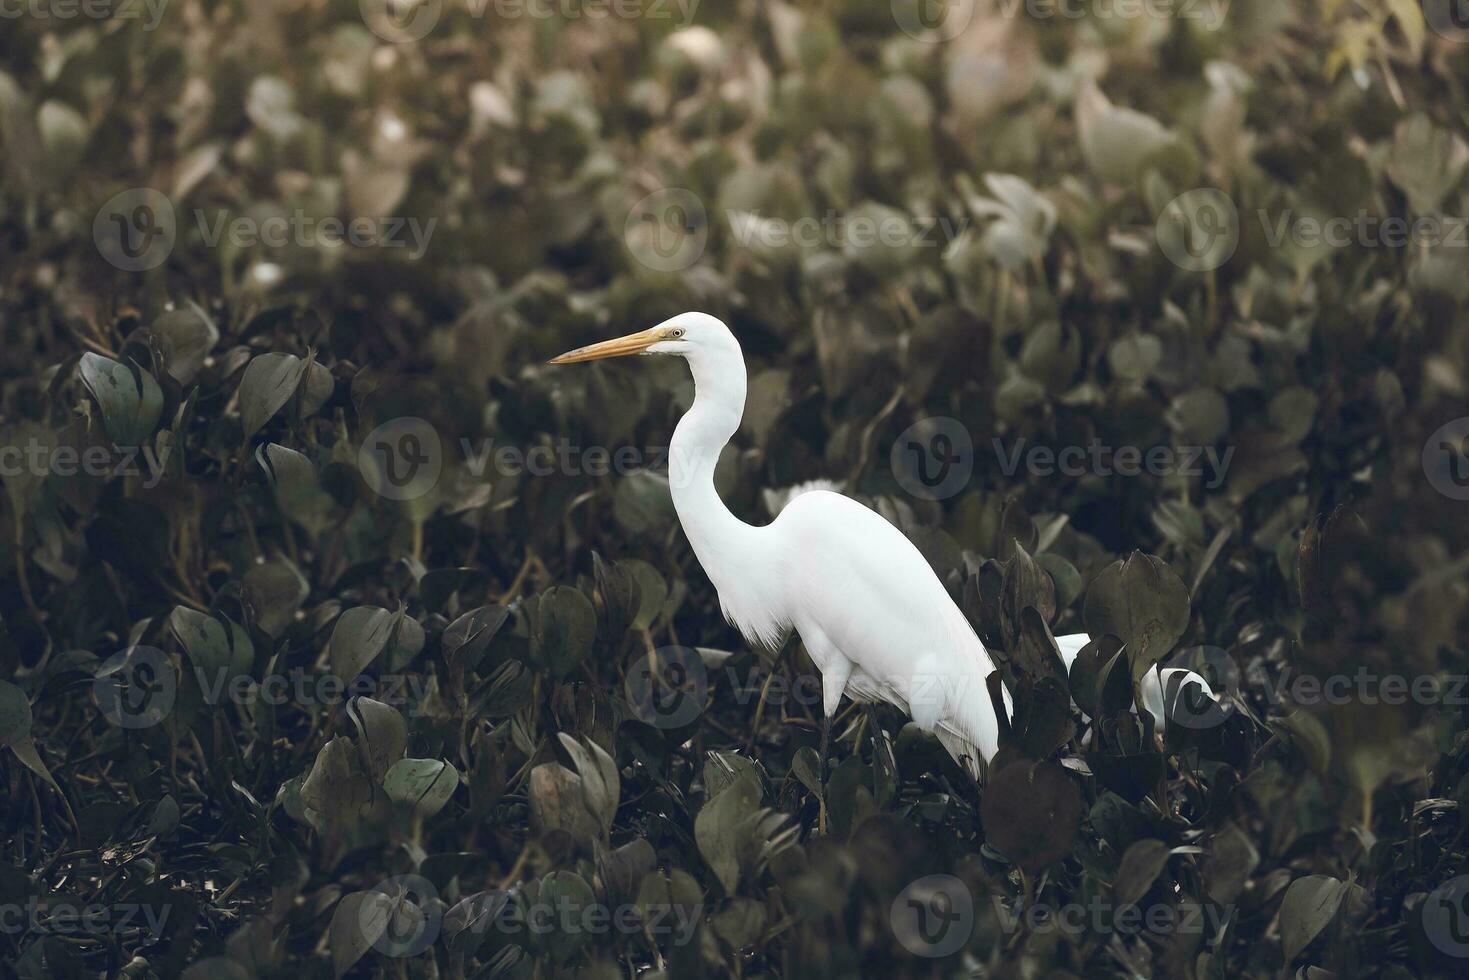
{"x": 425, "y": 785}
{"x": 268, "y": 383}
{"x": 128, "y": 397}
{"x": 1141, "y": 602}
{"x": 360, "y": 635}
{"x": 359, "y": 921}
{"x": 1309, "y": 904}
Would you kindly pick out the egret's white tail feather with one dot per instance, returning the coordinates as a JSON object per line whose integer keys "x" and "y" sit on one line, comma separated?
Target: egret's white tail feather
{"x": 1152, "y": 684}
{"x": 963, "y": 722}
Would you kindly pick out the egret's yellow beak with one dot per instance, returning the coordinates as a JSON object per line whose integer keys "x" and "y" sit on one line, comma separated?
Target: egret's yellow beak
{"x": 633, "y": 343}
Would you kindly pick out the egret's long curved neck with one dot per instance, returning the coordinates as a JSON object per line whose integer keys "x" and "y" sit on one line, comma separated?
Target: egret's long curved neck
{"x": 720, "y": 540}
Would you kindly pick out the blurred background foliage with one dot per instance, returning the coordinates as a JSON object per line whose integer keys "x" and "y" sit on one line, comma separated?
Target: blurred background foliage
{"x": 499, "y": 617}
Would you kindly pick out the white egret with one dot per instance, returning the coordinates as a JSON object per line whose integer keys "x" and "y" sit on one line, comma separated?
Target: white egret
{"x": 874, "y": 617}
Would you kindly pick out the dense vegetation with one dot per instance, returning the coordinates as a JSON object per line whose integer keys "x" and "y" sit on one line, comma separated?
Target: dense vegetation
{"x": 339, "y": 634}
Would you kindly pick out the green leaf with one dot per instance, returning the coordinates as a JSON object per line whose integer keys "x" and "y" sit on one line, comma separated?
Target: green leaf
{"x": 382, "y": 735}
{"x": 1310, "y": 904}
{"x": 15, "y": 714}
{"x": 424, "y": 785}
{"x": 643, "y": 503}
{"x": 64, "y": 135}
{"x": 600, "y": 781}
{"x": 1031, "y": 813}
{"x": 359, "y": 920}
{"x": 128, "y": 397}
{"x": 361, "y": 633}
{"x": 1426, "y": 162}
{"x": 563, "y": 628}
{"x": 336, "y": 786}
{"x": 717, "y": 829}
{"x": 558, "y": 802}
{"x": 268, "y": 383}
{"x": 298, "y": 493}
{"x": 1141, "y": 865}
{"x": 1143, "y": 603}
{"x": 186, "y": 336}
{"x": 25, "y": 751}
{"x": 218, "y": 648}
{"x": 569, "y": 894}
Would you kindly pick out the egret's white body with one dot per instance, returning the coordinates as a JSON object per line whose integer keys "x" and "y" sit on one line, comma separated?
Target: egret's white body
{"x": 872, "y": 614}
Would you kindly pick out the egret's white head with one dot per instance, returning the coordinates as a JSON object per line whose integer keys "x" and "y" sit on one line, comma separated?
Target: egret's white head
{"x": 688, "y": 335}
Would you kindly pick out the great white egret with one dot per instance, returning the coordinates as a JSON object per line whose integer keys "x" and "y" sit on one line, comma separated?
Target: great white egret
{"x": 876, "y": 620}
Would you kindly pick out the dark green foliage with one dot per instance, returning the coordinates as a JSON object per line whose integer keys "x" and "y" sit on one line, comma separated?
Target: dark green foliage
{"x": 340, "y": 635}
